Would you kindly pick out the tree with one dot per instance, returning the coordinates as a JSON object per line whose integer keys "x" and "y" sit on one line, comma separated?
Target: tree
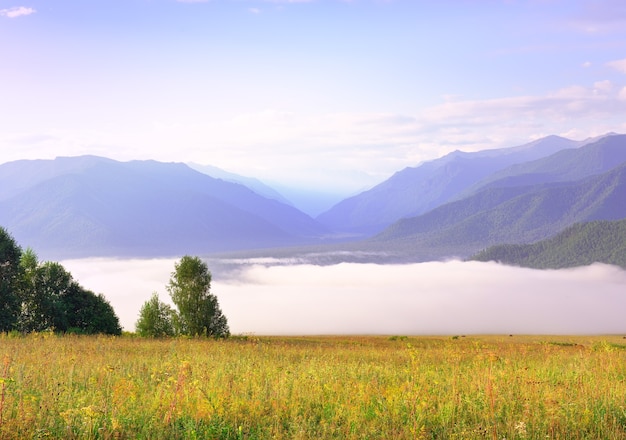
{"x": 43, "y": 291}
{"x": 89, "y": 313}
{"x": 156, "y": 319}
{"x": 52, "y": 300}
{"x": 10, "y": 254}
{"x": 198, "y": 310}
{"x": 38, "y": 296}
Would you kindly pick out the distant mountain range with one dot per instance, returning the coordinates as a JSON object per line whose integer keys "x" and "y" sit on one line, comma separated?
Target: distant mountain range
{"x": 579, "y": 245}
{"x": 93, "y": 206}
{"x": 450, "y": 207}
{"x": 310, "y": 201}
{"x": 413, "y": 191}
{"x": 563, "y": 166}
{"x": 519, "y": 214}
{"x": 254, "y": 184}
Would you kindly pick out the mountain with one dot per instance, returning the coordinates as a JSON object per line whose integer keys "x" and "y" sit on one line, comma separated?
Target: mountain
{"x": 520, "y": 214}
{"x": 92, "y": 206}
{"x": 413, "y": 191}
{"x": 564, "y": 166}
{"x": 254, "y": 184}
{"x": 579, "y": 245}
{"x": 310, "y": 201}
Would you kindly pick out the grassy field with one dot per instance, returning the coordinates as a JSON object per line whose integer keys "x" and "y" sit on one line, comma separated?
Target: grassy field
{"x": 326, "y": 387}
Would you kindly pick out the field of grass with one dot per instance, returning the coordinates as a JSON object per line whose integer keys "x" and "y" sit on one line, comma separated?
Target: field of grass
{"x": 313, "y": 387}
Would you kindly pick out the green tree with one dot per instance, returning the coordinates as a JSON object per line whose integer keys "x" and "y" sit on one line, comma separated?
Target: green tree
{"x": 52, "y": 300}
{"x": 43, "y": 293}
{"x": 89, "y": 313}
{"x": 156, "y": 319}
{"x": 198, "y": 310}
{"x": 10, "y": 254}
{"x": 38, "y": 296}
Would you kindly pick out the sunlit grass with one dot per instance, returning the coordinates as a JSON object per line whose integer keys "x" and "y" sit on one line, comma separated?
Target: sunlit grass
{"x": 325, "y": 387}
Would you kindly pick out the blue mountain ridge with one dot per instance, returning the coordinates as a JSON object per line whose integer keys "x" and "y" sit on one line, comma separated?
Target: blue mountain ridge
{"x": 96, "y": 206}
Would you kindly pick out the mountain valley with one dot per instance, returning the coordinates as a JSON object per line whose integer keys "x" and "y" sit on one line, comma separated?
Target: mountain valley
{"x": 451, "y": 207}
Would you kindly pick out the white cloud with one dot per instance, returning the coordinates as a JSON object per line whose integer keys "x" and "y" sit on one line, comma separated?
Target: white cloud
{"x": 425, "y": 298}
{"x": 341, "y": 151}
{"x": 602, "y": 86}
{"x": 386, "y": 142}
{"x": 254, "y": 10}
{"x": 618, "y": 65}
{"x": 17, "y": 11}
{"x": 574, "y": 101}
{"x": 622, "y": 94}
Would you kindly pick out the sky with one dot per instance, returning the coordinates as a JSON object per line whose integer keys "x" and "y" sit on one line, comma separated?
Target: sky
{"x": 333, "y": 95}
{"x": 426, "y": 298}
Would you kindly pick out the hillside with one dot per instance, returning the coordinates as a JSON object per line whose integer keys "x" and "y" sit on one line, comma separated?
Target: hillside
{"x": 512, "y": 215}
{"x": 564, "y": 166}
{"x": 580, "y": 244}
{"x": 416, "y": 190}
{"x": 92, "y": 206}
{"x": 254, "y": 184}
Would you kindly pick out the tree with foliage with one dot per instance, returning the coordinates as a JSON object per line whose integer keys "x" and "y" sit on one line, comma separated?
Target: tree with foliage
{"x": 89, "y": 313}
{"x": 10, "y": 254}
{"x": 156, "y": 319}
{"x": 52, "y": 300}
{"x": 198, "y": 310}
{"x": 43, "y": 292}
{"x": 38, "y": 296}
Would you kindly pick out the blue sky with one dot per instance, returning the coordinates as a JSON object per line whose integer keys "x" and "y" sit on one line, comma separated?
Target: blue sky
{"x": 328, "y": 94}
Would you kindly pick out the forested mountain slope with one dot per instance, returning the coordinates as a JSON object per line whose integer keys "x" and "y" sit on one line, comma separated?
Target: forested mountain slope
{"x": 580, "y": 244}
{"x": 520, "y": 214}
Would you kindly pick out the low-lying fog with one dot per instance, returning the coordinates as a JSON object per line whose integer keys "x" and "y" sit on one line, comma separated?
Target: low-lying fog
{"x": 426, "y": 298}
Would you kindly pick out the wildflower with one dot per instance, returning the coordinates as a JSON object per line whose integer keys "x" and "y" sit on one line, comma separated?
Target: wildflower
{"x": 520, "y": 429}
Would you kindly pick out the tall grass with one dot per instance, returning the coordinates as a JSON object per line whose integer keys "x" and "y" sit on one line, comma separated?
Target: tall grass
{"x": 300, "y": 388}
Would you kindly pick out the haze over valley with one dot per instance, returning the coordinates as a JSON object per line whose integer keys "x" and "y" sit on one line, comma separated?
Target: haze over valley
{"x": 425, "y": 298}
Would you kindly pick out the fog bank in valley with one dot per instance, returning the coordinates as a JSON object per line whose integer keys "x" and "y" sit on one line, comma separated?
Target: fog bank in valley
{"x": 426, "y": 298}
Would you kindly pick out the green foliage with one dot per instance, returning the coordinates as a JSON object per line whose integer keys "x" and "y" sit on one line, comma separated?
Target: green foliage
{"x": 156, "y": 319}
{"x": 9, "y": 276}
{"x": 90, "y": 313}
{"x": 578, "y": 245}
{"x": 36, "y": 297}
{"x": 198, "y": 310}
{"x": 43, "y": 291}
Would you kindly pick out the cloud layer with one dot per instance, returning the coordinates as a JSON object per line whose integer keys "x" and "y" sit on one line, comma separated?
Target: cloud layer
{"x": 17, "y": 11}
{"x": 426, "y": 298}
{"x": 351, "y": 151}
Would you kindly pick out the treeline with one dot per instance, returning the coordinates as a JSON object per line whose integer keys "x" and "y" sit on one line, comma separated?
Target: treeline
{"x": 579, "y": 245}
{"x": 42, "y": 296}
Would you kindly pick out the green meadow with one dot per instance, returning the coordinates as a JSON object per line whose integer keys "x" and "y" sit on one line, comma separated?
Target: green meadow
{"x": 247, "y": 387}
